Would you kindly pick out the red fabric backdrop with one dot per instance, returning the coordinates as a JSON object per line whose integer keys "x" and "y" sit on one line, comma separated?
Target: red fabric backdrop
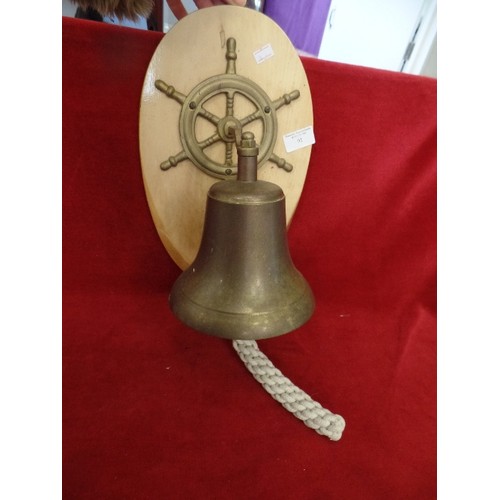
{"x": 154, "y": 410}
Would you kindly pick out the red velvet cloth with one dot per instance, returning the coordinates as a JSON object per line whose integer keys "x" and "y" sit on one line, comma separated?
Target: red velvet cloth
{"x": 154, "y": 410}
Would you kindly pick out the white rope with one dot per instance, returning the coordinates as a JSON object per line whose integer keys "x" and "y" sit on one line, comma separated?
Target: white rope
{"x": 295, "y": 400}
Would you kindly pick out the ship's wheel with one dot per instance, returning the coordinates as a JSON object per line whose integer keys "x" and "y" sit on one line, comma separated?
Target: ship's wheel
{"x": 218, "y": 72}
{"x": 228, "y": 127}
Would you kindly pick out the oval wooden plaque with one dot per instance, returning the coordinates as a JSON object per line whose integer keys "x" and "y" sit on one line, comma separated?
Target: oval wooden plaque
{"x": 193, "y": 51}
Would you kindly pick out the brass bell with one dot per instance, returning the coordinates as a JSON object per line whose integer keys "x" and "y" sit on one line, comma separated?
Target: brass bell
{"x": 243, "y": 283}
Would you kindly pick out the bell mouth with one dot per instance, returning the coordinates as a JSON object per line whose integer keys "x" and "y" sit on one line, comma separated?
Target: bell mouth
{"x": 255, "y": 325}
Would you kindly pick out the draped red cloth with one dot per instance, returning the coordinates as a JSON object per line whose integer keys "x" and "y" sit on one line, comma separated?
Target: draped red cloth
{"x": 154, "y": 410}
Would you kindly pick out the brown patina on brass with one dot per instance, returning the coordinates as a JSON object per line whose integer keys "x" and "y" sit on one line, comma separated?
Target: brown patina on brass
{"x": 243, "y": 283}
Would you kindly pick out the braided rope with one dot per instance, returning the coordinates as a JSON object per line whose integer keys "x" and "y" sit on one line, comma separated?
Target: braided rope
{"x": 295, "y": 400}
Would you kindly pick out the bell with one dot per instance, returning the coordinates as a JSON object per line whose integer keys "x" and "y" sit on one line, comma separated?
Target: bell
{"x": 243, "y": 283}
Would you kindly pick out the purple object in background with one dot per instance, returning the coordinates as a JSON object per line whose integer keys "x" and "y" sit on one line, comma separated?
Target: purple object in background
{"x": 302, "y": 20}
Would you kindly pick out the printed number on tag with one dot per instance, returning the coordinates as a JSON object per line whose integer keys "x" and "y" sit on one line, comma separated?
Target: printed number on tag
{"x": 299, "y": 139}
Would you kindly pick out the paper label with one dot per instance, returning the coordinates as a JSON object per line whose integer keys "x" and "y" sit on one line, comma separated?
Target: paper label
{"x": 263, "y": 53}
{"x": 299, "y": 139}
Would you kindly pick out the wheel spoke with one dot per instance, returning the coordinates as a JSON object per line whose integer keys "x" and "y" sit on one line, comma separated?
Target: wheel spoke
{"x": 230, "y": 103}
{"x": 209, "y": 141}
{"x": 231, "y": 56}
{"x": 251, "y": 117}
{"x": 173, "y": 160}
{"x": 281, "y": 163}
{"x": 170, "y": 91}
{"x": 208, "y": 116}
{"x": 286, "y": 99}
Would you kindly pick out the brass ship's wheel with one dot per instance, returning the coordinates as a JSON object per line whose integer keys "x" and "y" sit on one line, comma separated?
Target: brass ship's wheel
{"x": 228, "y": 127}
{"x": 203, "y": 88}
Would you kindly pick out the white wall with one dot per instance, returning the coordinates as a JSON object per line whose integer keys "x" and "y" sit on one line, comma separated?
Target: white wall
{"x": 374, "y": 33}
{"x": 429, "y": 68}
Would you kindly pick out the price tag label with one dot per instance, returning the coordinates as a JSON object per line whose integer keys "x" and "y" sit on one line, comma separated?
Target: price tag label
{"x": 299, "y": 139}
{"x": 263, "y": 54}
